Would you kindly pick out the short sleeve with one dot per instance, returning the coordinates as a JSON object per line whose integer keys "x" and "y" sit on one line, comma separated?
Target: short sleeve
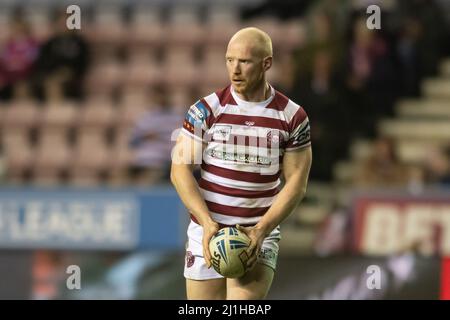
{"x": 196, "y": 121}
{"x": 299, "y": 131}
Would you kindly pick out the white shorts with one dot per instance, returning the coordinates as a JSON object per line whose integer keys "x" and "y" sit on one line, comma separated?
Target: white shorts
{"x": 195, "y": 267}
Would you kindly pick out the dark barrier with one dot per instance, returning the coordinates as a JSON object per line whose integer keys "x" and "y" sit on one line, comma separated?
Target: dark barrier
{"x": 404, "y": 276}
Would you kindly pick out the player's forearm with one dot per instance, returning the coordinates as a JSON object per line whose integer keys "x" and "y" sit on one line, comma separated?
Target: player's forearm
{"x": 287, "y": 199}
{"x": 187, "y": 188}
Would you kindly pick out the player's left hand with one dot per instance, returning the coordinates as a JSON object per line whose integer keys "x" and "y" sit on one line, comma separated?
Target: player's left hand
{"x": 256, "y": 236}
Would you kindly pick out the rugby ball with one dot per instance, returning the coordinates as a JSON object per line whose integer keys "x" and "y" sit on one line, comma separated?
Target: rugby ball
{"x": 228, "y": 251}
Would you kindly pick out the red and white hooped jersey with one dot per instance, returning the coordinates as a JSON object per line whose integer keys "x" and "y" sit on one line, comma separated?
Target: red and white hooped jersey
{"x": 244, "y": 146}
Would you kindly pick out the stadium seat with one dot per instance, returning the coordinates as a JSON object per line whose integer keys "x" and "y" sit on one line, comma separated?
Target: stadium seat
{"x": 128, "y": 114}
{"x": 360, "y": 149}
{"x": 18, "y": 119}
{"x": 145, "y": 13}
{"x": 221, "y": 22}
{"x": 424, "y": 130}
{"x": 142, "y": 70}
{"x": 179, "y": 67}
{"x": 39, "y": 20}
{"x": 121, "y": 156}
{"x": 18, "y": 155}
{"x": 20, "y": 114}
{"x": 53, "y": 149}
{"x": 180, "y": 96}
{"x": 424, "y": 108}
{"x": 213, "y": 67}
{"x": 52, "y": 158}
{"x": 445, "y": 68}
{"x": 97, "y": 112}
{"x": 134, "y": 102}
{"x": 436, "y": 88}
{"x": 104, "y": 77}
{"x": 59, "y": 115}
{"x": 108, "y": 26}
{"x": 219, "y": 34}
{"x": 182, "y": 18}
{"x": 412, "y": 152}
{"x": 91, "y": 158}
{"x": 222, "y": 13}
{"x": 146, "y": 28}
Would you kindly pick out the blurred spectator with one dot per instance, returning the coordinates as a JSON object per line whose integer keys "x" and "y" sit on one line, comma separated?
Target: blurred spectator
{"x": 408, "y": 53}
{"x": 17, "y": 57}
{"x": 282, "y": 9}
{"x": 433, "y": 38}
{"x": 319, "y": 95}
{"x": 382, "y": 168}
{"x": 321, "y": 38}
{"x": 338, "y": 12}
{"x": 437, "y": 167}
{"x": 22, "y": 92}
{"x": 47, "y": 273}
{"x": 417, "y": 179}
{"x": 369, "y": 77}
{"x": 315, "y": 89}
{"x": 65, "y": 55}
{"x": 53, "y": 89}
{"x": 150, "y": 140}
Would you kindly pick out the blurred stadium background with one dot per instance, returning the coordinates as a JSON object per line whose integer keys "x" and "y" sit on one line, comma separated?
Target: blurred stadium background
{"x": 86, "y": 120}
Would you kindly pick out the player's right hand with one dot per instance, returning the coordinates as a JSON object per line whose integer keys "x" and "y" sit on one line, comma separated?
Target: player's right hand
{"x": 209, "y": 230}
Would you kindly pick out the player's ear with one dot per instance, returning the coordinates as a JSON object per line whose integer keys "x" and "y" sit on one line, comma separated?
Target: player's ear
{"x": 267, "y": 63}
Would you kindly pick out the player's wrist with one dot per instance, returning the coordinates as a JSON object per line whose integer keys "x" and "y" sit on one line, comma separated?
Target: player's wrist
{"x": 263, "y": 228}
{"x": 207, "y": 221}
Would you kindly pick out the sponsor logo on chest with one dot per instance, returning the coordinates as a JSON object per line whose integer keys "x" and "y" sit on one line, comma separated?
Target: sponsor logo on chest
{"x": 221, "y": 132}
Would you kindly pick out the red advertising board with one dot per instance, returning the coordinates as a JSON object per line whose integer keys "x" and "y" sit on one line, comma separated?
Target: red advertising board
{"x": 385, "y": 225}
{"x": 393, "y": 224}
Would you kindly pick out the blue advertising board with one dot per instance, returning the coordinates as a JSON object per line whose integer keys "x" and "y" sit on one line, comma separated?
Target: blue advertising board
{"x": 96, "y": 219}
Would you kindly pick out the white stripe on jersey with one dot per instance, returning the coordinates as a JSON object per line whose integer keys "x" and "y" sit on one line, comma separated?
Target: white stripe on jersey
{"x": 235, "y": 201}
{"x": 236, "y": 184}
{"x": 213, "y": 101}
{"x": 250, "y": 131}
{"x": 271, "y": 169}
{"x": 290, "y": 110}
{"x": 252, "y": 111}
{"x": 251, "y": 150}
{"x": 230, "y": 220}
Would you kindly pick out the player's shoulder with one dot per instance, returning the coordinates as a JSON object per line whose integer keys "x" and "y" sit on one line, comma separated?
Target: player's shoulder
{"x": 208, "y": 107}
{"x": 291, "y": 109}
{"x": 220, "y": 97}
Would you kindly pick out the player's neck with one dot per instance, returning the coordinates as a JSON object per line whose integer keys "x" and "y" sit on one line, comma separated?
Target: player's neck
{"x": 261, "y": 93}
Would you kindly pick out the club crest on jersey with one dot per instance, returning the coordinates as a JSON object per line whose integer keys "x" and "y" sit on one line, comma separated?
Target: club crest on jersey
{"x": 221, "y": 132}
{"x": 190, "y": 259}
{"x": 274, "y": 137}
